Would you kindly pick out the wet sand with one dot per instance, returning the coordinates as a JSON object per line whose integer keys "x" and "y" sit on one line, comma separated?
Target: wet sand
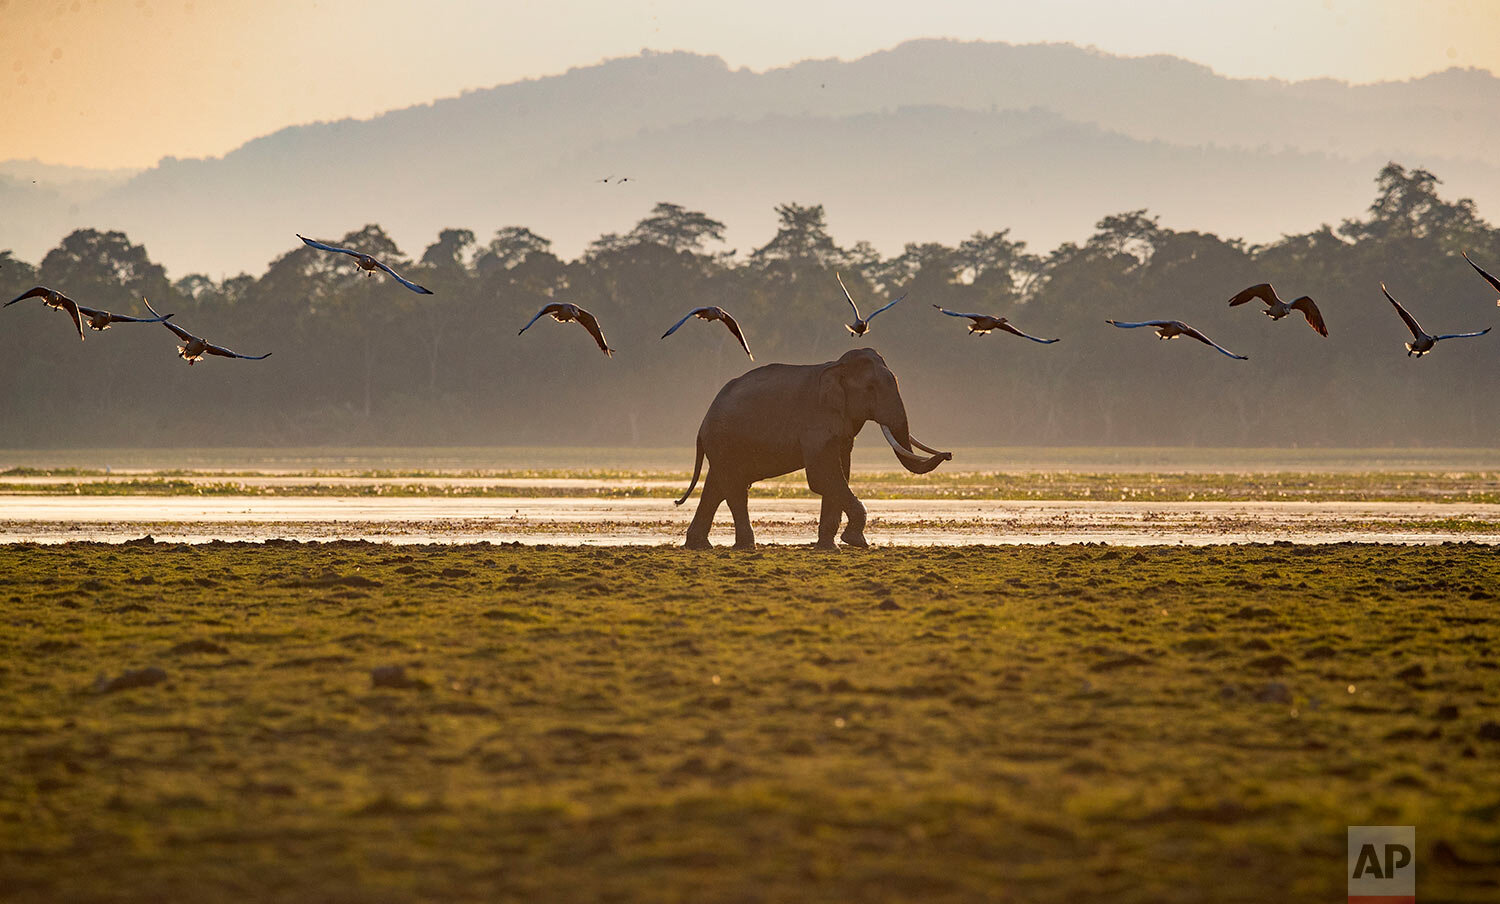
{"x": 47, "y": 519}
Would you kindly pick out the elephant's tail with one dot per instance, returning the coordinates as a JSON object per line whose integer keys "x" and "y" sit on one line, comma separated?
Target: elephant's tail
{"x": 697, "y": 469}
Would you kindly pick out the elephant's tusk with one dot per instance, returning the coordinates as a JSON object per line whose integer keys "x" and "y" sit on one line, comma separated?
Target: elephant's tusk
{"x": 912, "y": 461}
{"x": 901, "y": 451}
{"x": 947, "y": 456}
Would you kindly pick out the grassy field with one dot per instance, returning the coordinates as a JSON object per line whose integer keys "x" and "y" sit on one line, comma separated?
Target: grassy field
{"x": 363, "y": 723}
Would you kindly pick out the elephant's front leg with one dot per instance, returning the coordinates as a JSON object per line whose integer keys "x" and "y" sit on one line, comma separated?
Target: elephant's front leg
{"x": 854, "y": 532}
{"x": 828, "y": 522}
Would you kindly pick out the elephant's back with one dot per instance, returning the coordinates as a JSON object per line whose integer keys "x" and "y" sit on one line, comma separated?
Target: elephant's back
{"x": 762, "y": 401}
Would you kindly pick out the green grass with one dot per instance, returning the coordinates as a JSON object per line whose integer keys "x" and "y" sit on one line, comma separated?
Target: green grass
{"x": 1451, "y": 487}
{"x": 869, "y": 454}
{"x": 1040, "y": 724}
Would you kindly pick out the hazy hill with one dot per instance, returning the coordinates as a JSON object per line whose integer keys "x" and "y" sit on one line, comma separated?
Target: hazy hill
{"x": 928, "y": 141}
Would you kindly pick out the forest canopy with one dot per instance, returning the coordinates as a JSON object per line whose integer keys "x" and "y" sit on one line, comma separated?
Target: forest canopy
{"x": 361, "y": 361}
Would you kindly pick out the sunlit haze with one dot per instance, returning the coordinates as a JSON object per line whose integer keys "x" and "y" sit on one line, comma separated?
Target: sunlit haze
{"x": 122, "y": 84}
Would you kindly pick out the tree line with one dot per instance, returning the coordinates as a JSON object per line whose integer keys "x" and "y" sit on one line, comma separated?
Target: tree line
{"x": 361, "y": 361}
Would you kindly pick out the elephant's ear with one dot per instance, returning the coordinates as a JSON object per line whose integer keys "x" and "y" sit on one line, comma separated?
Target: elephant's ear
{"x": 831, "y": 388}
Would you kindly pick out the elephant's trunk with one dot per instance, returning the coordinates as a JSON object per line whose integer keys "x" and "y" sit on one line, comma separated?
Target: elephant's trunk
{"x": 901, "y": 444}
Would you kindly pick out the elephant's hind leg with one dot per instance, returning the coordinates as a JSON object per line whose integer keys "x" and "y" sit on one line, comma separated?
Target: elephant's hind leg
{"x": 703, "y": 519}
{"x": 739, "y": 507}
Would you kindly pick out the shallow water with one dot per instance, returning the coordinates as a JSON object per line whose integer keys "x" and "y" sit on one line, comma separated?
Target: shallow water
{"x": 51, "y": 519}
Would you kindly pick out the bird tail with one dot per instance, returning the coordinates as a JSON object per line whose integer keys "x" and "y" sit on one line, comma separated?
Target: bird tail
{"x": 697, "y": 470}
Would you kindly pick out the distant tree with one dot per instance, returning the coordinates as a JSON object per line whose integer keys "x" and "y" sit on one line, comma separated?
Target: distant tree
{"x": 1130, "y": 234}
{"x": 1301, "y": 251}
{"x": 1407, "y": 206}
{"x": 93, "y": 263}
{"x": 235, "y": 288}
{"x": 373, "y": 240}
{"x": 997, "y": 267}
{"x": 864, "y": 259}
{"x": 801, "y": 238}
{"x": 541, "y": 273}
{"x": 195, "y": 286}
{"x": 14, "y": 272}
{"x": 607, "y": 244}
{"x": 932, "y": 262}
{"x": 673, "y": 226}
{"x": 512, "y": 245}
{"x": 451, "y": 251}
{"x": 992, "y": 256}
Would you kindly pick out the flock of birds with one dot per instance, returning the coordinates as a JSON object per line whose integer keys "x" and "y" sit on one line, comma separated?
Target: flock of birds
{"x": 195, "y": 347}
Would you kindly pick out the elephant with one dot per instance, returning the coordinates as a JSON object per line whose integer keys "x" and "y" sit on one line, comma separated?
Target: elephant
{"x": 780, "y": 418}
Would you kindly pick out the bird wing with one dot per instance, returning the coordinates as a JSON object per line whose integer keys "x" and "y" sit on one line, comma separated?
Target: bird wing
{"x": 546, "y": 309}
{"x": 591, "y": 323}
{"x": 682, "y": 321}
{"x": 1011, "y": 329}
{"x": 1411, "y": 322}
{"x": 1310, "y": 310}
{"x": 846, "y": 294}
{"x": 1461, "y": 335}
{"x": 403, "y": 280}
{"x": 71, "y": 307}
{"x": 29, "y": 293}
{"x": 182, "y": 334}
{"x": 223, "y": 352}
{"x": 120, "y": 318}
{"x": 955, "y": 313}
{"x": 878, "y": 310}
{"x": 322, "y": 247}
{"x": 1129, "y": 325}
{"x": 1193, "y": 332}
{"x": 67, "y": 303}
{"x": 734, "y": 327}
{"x": 1488, "y": 277}
{"x": 153, "y": 311}
{"x": 1263, "y": 291}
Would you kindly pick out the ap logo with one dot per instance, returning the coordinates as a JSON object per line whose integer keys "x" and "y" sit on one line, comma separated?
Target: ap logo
{"x": 1382, "y": 865}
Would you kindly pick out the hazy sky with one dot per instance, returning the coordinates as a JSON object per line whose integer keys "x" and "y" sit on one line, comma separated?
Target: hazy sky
{"x": 124, "y": 82}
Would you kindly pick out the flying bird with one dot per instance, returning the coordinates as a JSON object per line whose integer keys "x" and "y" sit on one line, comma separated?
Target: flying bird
{"x": 1422, "y": 342}
{"x": 861, "y": 325}
{"x": 983, "y": 323}
{"x": 1488, "y": 277}
{"x": 1171, "y": 329}
{"x": 712, "y": 313}
{"x": 563, "y": 312}
{"x": 53, "y": 299}
{"x": 366, "y": 263}
{"x": 1277, "y": 309}
{"x": 99, "y": 321}
{"x": 193, "y": 348}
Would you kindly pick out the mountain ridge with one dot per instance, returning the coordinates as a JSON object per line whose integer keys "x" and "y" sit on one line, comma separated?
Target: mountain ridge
{"x": 529, "y": 152}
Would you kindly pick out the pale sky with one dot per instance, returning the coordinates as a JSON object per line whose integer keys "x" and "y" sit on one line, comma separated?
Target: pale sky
{"x": 117, "y": 83}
